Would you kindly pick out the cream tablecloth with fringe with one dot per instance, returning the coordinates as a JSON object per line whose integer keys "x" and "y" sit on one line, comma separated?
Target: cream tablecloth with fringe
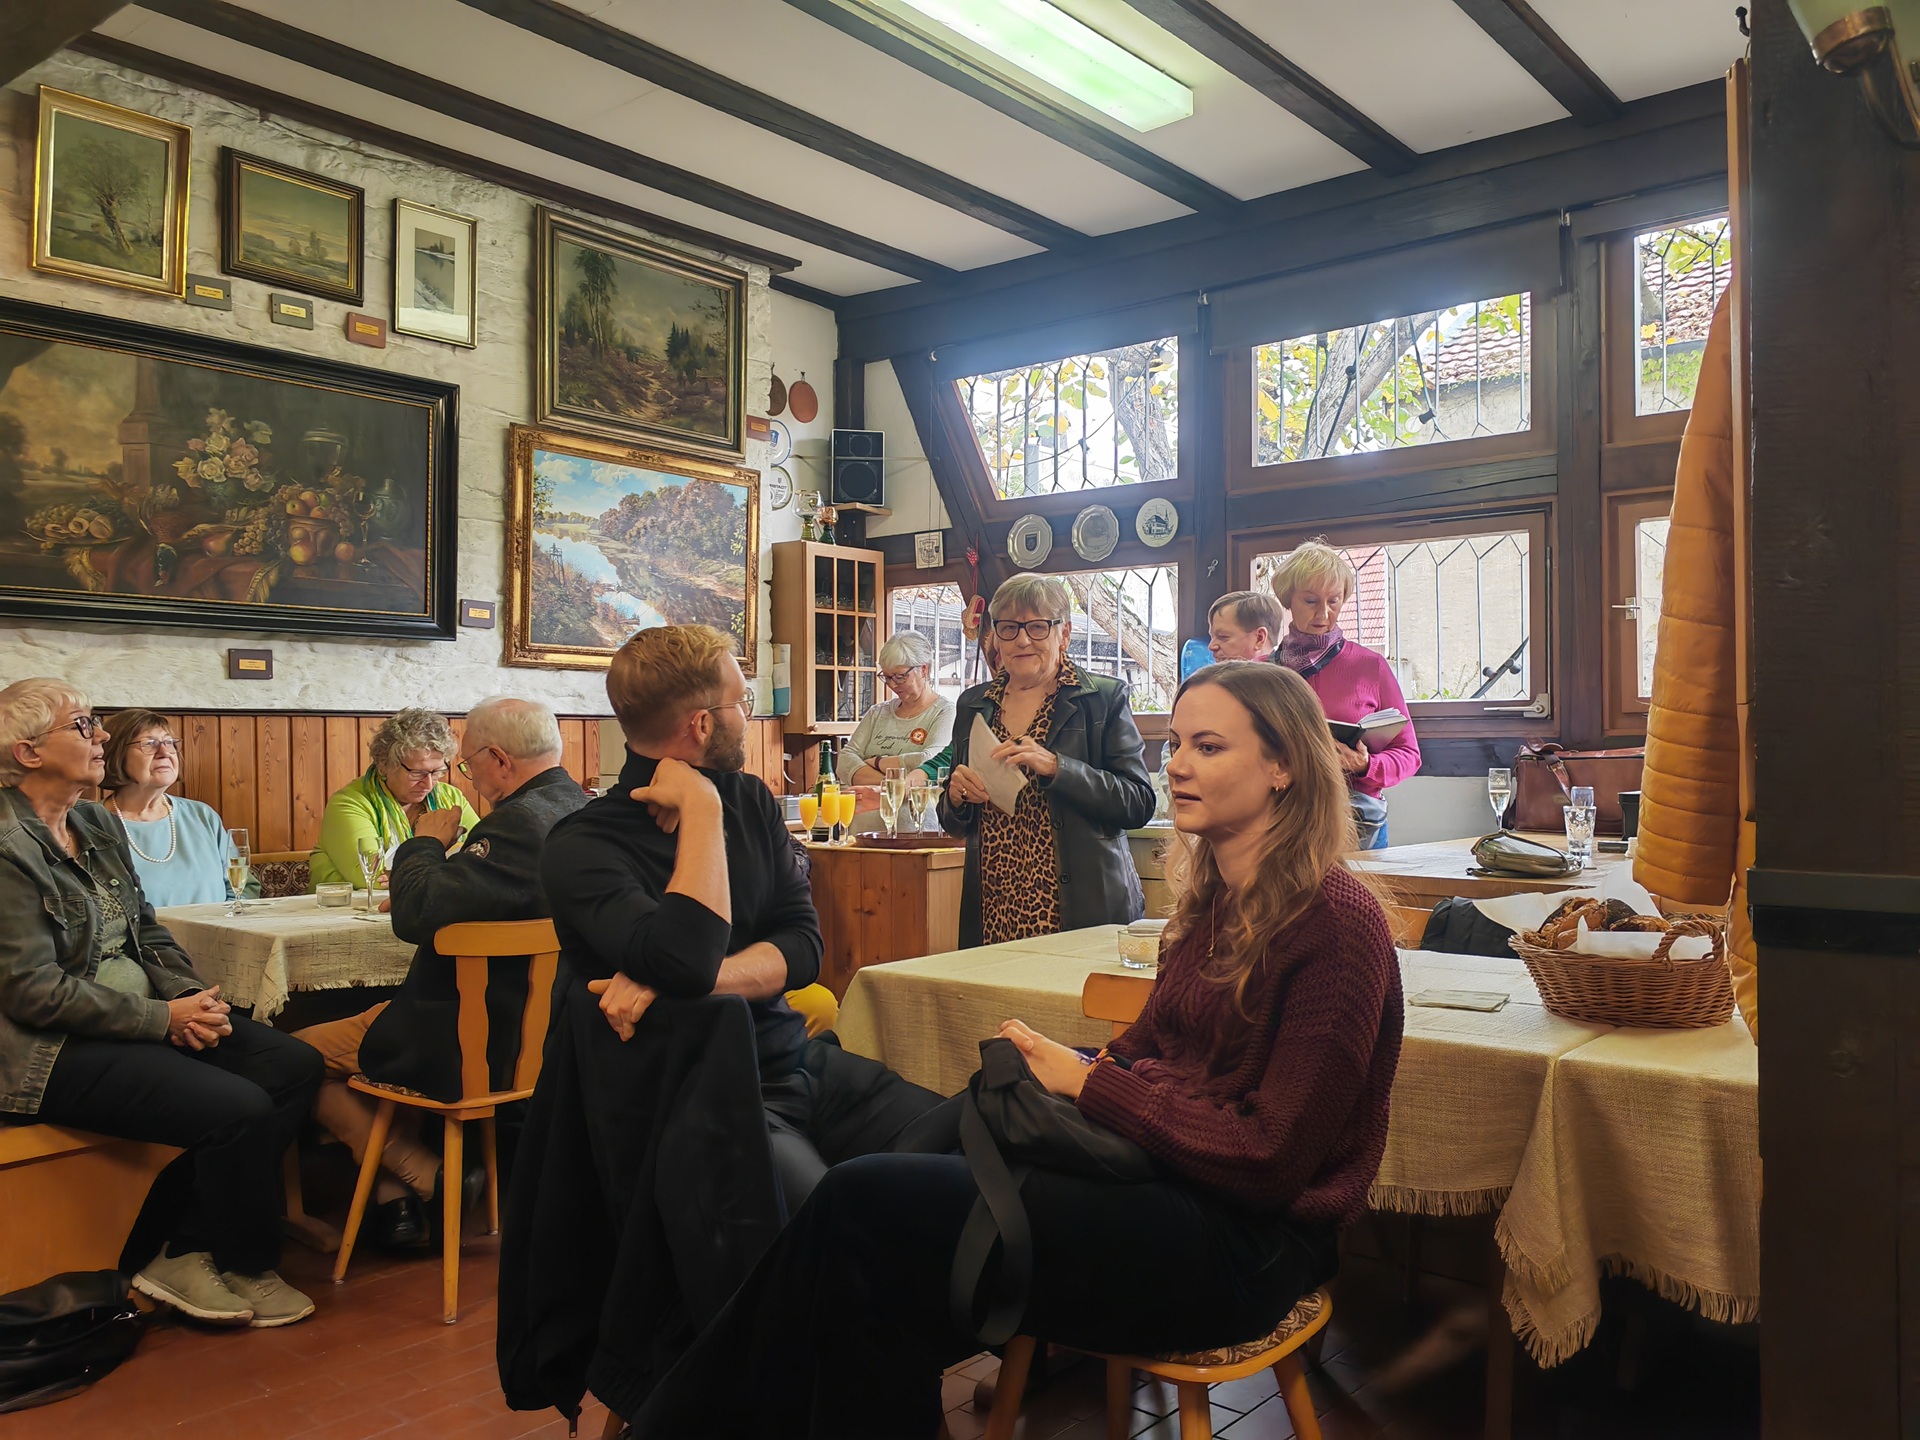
{"x": 275, "y": 947}
{"x": 1631, "y": 1151}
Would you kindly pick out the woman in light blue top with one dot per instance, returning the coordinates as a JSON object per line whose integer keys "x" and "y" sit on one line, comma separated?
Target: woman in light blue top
{"x": 179, "y": 846}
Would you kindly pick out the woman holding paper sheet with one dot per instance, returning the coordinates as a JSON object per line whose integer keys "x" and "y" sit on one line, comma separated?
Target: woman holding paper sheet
{"x": 1062, "y": 746}
{"x": 1315, "y": 583}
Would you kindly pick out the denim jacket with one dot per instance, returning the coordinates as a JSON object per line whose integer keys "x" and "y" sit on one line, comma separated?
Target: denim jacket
{"x": 49, "y": 947}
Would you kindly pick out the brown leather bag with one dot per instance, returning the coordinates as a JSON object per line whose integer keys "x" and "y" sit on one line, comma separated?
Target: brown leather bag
{"x": 1544, "y": 776}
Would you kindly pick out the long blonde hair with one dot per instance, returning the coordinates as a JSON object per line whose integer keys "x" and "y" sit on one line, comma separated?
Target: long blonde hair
{"x": 1310, "y": 833}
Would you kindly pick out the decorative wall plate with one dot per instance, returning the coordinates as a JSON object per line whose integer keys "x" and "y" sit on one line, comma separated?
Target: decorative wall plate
{"x": 802, "y": 401}
{"x": 1096, "y": 530}
{"x": 779, "y": 490}
{"x": 1030, "y": 541}
{"x": 1157, "y": 522}
{"x": 779, "y": 441}
{"x": 776, "y": 396}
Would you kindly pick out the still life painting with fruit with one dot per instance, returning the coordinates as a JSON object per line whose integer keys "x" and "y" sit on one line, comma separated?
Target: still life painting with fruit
{"x": 129, "y": 475}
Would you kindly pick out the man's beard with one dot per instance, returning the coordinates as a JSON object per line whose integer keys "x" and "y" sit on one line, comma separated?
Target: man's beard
{"x": 725, "y": 752}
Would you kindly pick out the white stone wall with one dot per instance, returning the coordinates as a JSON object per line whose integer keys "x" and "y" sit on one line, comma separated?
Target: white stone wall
{"x": 168, "y": 668}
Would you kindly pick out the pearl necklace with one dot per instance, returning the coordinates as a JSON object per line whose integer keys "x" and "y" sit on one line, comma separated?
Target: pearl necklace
{"x": 173, "y": 837}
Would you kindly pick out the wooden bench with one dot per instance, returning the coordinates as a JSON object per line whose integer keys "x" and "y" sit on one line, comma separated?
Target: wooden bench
{"x": 70, "y": 1198}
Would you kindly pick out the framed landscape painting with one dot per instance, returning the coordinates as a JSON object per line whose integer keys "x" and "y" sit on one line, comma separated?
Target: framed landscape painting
{"x": 110, "y": 195}
{"x": 149, "y": 477}
{"x": 604, "y": 539}
{"x": 636, "y": 342}
{"x": 433, "y": 274}
{"x": 287, "y": 227}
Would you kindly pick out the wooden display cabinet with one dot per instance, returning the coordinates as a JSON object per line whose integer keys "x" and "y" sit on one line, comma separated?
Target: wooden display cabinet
{"x": 826, "y": 605}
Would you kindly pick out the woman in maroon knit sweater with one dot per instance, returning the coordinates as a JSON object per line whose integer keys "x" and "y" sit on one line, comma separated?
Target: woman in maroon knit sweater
{"x": 1258, "y": 1077}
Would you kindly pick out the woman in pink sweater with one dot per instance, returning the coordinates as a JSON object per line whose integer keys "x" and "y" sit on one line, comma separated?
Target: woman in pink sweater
{"x": 1315, "y": 583}
{"x": 1257, "y": 1079}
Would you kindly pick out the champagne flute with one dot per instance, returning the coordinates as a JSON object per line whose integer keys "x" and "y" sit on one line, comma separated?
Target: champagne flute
{"x": 239, "y": 863}
{"x": 368, "y": 853}
{"x": 809, "y": 812}
{"x": 1499, "y": 792}
{"x": 892, "y": 795}
{"x": 916, "y": 801}
{"x": 849, "y": 802}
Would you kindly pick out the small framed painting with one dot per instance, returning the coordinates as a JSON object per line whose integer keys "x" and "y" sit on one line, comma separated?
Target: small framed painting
{"x": 291, "y": 228}
{"x": 110, "y": 198}
{"x": 433, "y": 274}
{"x": 637, "y": 342}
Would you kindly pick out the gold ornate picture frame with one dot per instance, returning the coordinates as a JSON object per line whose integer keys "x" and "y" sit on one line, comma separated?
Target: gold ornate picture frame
{"x": 110, "y": 195}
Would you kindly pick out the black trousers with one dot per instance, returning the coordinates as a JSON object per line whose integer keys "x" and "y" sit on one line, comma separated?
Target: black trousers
{"x": 835, "y": 1107}
{"x": 844, "y": 1327}
{"x": 233, "y": 1110}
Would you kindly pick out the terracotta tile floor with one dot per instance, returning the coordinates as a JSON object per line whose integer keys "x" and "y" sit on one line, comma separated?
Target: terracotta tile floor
{"x": 377, "y": 1361}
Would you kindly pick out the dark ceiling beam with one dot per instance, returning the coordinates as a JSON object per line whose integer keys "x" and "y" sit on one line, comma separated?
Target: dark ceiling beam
{"x": 539, "y": 187}
{"x": 230, "y": 22}
{"x": 1249, "y": 59}
{"x": 1521, "y": 32}
{"x": 31, "y": 30}
{"x": 961, "y": 72}
{"x": 807, "y": 293}
{"x": 613, "y": 46}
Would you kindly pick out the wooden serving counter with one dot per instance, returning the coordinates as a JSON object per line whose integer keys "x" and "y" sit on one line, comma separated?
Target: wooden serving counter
{"x": 885, "y": 904}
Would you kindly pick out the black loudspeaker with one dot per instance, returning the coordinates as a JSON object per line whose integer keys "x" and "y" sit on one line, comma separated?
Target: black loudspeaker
{"x": 859, "y": 467}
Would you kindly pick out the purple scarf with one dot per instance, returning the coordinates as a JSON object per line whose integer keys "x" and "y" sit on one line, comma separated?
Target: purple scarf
{"x": 1308, "y": 655}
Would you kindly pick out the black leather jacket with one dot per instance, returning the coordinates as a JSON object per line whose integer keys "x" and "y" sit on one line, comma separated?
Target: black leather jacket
{"x": 1101, "y": 792}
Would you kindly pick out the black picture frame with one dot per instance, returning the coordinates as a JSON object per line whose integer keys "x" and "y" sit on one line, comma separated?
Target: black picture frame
{"x": 373, "y": 553}
{"x": 297, "y": 271}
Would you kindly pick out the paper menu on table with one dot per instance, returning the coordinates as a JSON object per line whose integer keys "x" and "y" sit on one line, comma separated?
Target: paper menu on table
{"x": 1004, "y": 782}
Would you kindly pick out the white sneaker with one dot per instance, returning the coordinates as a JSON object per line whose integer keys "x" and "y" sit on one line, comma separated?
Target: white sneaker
{"x": 192, "y": 1286}
{"x": 274, "y": 1301}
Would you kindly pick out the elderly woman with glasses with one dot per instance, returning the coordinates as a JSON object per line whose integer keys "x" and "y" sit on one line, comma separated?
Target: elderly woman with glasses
{"x": 179, "y": 846}
{"x": 106, "y": 1026}
{"x": 917, "y": 721}
{"x": 1059, "y": 859}
{"x": 412, "y": 753}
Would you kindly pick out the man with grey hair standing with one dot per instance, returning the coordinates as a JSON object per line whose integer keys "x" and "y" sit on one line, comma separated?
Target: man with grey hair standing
{"x": 511, "y": 752}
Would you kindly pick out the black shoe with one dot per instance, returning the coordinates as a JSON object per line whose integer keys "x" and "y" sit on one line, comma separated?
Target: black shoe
{"x": 396, "y": 1225}
{"x": 473, "y": 1186}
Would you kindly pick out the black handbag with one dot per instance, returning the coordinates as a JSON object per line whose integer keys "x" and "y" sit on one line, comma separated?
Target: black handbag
{"x": 58, "y": 1337}
{"x": 1008, "y": 1125}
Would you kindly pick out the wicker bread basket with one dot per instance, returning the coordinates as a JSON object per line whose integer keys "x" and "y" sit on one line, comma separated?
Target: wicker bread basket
{"x": 1660, "y": 993}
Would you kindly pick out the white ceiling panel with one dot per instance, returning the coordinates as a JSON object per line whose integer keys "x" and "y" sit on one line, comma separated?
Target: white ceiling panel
{"x": 1420, "y": 68}
{"x": 1645, "y": 47}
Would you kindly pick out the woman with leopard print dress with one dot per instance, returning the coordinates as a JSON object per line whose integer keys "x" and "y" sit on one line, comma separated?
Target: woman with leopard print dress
{"x": 1060, "y": 860}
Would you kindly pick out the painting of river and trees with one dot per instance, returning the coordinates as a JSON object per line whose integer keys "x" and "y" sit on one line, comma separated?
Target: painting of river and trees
{"x": 636, "y": 342}
{"x": 605, "y": 539}
{"x": 289, "y": 227}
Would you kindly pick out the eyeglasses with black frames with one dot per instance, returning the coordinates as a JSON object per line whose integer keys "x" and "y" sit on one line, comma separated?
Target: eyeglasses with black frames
{"x": 1036, "y": 629}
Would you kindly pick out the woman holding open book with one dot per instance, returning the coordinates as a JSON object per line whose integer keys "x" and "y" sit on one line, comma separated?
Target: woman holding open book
{"x": 1354, "y": 684}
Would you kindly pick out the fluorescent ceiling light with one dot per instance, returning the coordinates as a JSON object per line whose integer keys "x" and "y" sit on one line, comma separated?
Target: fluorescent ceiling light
{"x": 1048, "y": 43}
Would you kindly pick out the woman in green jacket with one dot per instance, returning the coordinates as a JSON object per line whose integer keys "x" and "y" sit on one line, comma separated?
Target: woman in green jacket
{"x": 411, "y": 754}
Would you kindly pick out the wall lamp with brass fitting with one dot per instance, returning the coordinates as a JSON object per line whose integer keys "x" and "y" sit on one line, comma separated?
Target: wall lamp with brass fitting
{"x": 1864, "y": 42}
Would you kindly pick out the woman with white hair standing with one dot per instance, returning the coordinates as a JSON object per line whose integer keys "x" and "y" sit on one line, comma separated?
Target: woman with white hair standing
{"x": 917, "y": 721}
{"x": 412, "y": 753}
{"x": 1315, "y": 583}
{"x": 105, "y": 1026}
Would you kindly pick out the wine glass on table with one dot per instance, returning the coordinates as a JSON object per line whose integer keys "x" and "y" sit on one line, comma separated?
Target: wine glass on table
{"x": 893, "y": 794}
{"x": 1499, "y": 792}
{"x": 849, "y": 801}
{"x": 371, "y": 857}
{"x": 914, "y": 805}
{"x": 239, "y": 865}
{"x": 809, "y": 812}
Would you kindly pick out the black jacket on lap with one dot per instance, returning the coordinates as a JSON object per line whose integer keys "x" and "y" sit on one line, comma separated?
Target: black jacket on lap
{"x": 495, "y": 875}
{"x": 643, "y": 1195}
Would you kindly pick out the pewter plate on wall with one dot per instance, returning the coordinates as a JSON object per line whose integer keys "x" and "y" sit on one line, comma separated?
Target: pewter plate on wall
{"x": 1157, "y": 522}
{"x": 779, "y": 487}
{"x": 1096, "y": 531}
{"x": 1030, "y": 541}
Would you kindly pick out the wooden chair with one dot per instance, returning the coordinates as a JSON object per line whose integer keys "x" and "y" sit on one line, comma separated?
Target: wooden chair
{"x": 1120, "y": 999}
{"x": 283, "y": 872}
{"x": 471, "y": 945}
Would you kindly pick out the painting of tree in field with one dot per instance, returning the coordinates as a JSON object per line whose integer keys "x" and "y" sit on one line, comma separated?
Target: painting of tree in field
{"x": 639, "y": 342}
{"x": 112, "y": 194}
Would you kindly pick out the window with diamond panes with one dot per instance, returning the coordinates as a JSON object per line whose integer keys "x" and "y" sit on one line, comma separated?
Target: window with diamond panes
{"x": 1680, "y": 272}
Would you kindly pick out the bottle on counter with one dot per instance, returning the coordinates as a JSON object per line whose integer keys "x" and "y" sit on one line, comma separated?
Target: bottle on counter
{"x": 825, "y": 788}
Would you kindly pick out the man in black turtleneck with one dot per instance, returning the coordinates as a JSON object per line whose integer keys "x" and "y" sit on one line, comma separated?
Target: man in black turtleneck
{"x": 683, "y": 882}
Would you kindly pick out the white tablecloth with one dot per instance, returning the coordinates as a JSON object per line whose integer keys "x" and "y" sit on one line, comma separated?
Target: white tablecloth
{"x": 275, "y": 947}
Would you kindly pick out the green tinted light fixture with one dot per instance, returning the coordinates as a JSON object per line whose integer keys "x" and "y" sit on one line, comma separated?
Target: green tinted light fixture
{"x": 1048, "y": 43}
{"x": 1872, "y": 44}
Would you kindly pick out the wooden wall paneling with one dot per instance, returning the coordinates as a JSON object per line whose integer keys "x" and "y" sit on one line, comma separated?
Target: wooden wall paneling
{"x": 343, "y": 751}
{"x": 273, "y": 783}
{"x": 307, "y": 738}
{"x": 200, "y": 758}
{"x": 581, "y": 760}
{"x": 458, "y": 725}
{"x": 369, "y": 726}
{"x": 239, "y": 793}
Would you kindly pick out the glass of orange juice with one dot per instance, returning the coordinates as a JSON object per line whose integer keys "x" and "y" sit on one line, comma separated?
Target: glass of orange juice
{"x": 809, "y": 811}
{"x": 849, "y": 801}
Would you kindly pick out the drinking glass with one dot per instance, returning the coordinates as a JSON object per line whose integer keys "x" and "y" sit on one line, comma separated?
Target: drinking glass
{"x": 239, "y": 863}
{"x": 892, "y": 796}
{"x": 1499, "y": 792}
{"x": 809, "y": 811}
{"x": 1579, "y": 820}
{"x": 918, "y": 793}
{"x": 369, "y": 855}
{"x": 1581, "y": 795}
{"x": 849, "y": 802}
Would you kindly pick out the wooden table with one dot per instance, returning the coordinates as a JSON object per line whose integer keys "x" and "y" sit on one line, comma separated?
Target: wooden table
{"x": 1422, "y": 874}
{"x": 884, "y": 904}
{"x": 275, "y": 947}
